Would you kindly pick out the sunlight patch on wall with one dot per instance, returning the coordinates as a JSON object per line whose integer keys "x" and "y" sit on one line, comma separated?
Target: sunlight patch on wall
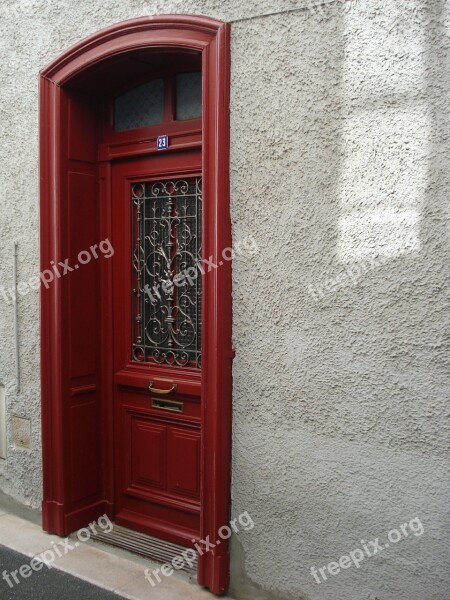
{"x": 381, "y": 232}
{"x": 383, "y": 181}
{"x": 385, "y": 130}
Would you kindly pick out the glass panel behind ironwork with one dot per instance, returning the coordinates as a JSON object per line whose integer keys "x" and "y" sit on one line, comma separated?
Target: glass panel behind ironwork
{"x": 140, "y": 107}
{"x": 166, "y": 221}
{"x": 189, "y": 96}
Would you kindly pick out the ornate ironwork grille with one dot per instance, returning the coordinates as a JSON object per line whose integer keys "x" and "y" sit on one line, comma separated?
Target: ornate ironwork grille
{"x": 167, "y": 285}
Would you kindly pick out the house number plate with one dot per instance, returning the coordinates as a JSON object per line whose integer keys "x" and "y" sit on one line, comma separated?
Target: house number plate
{"x": 162, "y": 142}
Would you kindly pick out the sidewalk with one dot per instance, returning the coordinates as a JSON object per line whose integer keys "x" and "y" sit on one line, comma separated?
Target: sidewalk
{"x": 43, "y": 583}
{"x": 108, "y": 568}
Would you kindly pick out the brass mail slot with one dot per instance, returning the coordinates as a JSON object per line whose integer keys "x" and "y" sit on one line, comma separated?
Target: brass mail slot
{"x": 171, "y": 405}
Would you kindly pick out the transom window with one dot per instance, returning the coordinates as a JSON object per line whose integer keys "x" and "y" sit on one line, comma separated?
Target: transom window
{"x": 188, "y": 96}
{"x": 140, "y": 107}
{"x": 177, "y": 97}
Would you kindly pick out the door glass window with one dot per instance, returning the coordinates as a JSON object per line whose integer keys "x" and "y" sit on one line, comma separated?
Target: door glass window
{"x": 140, "y": 107}
{"x": 166, "y": 287}
{"x": 188, "y": 96}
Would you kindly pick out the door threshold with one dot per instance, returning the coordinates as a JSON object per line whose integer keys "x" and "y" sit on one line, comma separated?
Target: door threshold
{"x": 146, "y": 546}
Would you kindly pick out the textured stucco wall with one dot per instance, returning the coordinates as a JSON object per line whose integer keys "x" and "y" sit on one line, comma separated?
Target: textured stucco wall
{"x": 339, "y": 169}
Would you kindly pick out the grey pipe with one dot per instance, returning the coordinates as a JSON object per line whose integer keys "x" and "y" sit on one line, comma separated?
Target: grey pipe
{"x": 16, "y": 324}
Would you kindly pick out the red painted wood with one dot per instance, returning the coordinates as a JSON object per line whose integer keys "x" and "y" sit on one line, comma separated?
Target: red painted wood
{"x": 217, "y": 348}
{"x": 144, "y": 435}
{"x": 74, "y": 396}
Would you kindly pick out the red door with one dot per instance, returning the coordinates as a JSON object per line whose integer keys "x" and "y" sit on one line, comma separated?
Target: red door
{"x": 157, "y": 288}
{"x": 102, "y": 334}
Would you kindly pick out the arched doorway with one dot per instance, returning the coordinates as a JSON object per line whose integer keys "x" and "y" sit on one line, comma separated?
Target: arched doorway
{"x": 136, "y": 349}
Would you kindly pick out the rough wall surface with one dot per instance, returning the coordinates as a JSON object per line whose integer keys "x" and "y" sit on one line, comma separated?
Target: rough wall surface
{"x": 339, "y": 169}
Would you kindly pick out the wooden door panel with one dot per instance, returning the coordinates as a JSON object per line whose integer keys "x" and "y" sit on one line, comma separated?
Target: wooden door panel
{"x": 157, "y": 406}
{"x": 183, "y": 462}
{"x": 147, "y": 445}
{"x": 83, "y": 414}
{"x": 154, "y": 494}
{"x": 161, "y": 452}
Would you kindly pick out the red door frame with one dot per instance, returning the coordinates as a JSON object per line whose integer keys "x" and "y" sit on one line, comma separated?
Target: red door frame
{"x": 211, "y": 38}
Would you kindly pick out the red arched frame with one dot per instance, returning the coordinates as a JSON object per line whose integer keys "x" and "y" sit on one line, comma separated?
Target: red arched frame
{"x": 62, "y": 439}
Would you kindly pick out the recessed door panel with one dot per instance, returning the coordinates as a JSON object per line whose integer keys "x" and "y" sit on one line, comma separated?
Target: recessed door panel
{"x": 183, "y": 462}
{"x": 148, "y": 453}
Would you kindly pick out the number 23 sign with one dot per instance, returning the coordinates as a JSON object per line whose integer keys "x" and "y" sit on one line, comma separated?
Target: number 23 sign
{"x": 162, "y": 142}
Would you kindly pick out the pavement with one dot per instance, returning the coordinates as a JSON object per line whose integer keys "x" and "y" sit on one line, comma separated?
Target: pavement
{"x": 44, "y": 583}
{"x": 88, "y": 570}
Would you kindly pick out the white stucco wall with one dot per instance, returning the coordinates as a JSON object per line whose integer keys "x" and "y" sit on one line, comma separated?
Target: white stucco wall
{"x": 339, "y": 169}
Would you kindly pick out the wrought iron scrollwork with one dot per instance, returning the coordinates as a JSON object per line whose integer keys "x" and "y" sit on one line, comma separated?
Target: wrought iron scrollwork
{"x": 166, "y": 221}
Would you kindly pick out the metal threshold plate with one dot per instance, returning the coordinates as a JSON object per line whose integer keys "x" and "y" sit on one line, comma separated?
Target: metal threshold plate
{"x": 144, "y": 545}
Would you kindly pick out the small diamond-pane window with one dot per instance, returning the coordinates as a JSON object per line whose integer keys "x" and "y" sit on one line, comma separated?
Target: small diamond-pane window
{"x": 189, "y": 96}
{"x": 140, "y": 107}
